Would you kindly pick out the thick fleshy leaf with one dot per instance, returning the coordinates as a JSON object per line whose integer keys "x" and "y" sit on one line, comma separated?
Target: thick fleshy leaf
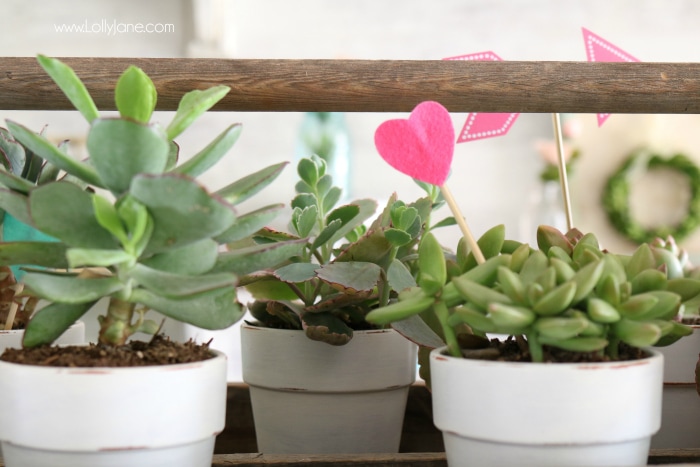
{"x": 44, "y": 254}
{"x": 249, "y": 223}
{"x": 244, "y": 188}
{"x": 14, "y": 182}
{"x": 192, "y": 105}
{"x": 71, "y": 289}
{"x": 50, "y": 322}
{"x": 182, "y": 210}
{"x": 44, "y": 149}
{"x": 327, "y": 233}
{"x": 372, "y": 247}
{"x": 297, "y": 272}
{"x": 399, "y": 276}
{"x": 172, "y": 285}
{"x": 85, "y": 257}
{"x": 305, "y": 220}
{"x": 217, "y": 309}
{"x": 12, "y": 153}
{"x": 415, "y": 329}
{"x": 16, "y": 204}
{"x": 350, "y": 277}
{"x": 326, "y": 327}
{"x": 135, "y": 95}
{"x": 120, "y": 149}
{"x": 195, "y": 258}
{"x": 210, "y": 155}
{"x": 271, "y": 290}
{"x": 70, "y": 84}
{"x": 256, "y": 258}
{"x": 64, "y": 211}
{"x": 107, "y": 216}
{"x": 367, "y": 207}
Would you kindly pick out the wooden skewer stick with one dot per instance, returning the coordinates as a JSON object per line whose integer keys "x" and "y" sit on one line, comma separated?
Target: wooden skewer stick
{"x": 563, "y": 179}
{"x": 13, "y": 308}
{"x": 447, "y": 194}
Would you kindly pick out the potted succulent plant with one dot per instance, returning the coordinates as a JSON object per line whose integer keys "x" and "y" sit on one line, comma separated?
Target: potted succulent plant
{"x": 500, "y": 401}
{"x": 310, "y": 358}
{"x": 28, "y": 170}
{"x": 145, "y": 235}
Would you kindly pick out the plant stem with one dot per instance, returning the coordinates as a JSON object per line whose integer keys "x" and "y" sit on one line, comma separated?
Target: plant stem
{"x": 115, "y": 327}
{"x": 613, "y": 348}
{"x": 536, "y": 352}
{"x": 443, "y": 313}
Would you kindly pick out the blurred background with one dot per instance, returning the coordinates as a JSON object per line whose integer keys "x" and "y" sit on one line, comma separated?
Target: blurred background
{"x": 495, "y": 180}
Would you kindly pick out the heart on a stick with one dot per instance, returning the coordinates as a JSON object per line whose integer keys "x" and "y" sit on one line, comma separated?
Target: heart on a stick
{"x": 421, "y": 146}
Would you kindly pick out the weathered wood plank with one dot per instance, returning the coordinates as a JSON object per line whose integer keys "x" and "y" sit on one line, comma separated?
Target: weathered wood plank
{"x": 377, "y": 85}
{"x": 331, "y": 460}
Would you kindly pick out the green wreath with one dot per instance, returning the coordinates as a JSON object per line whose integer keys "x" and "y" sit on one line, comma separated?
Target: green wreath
{"x": 617, "y": 190}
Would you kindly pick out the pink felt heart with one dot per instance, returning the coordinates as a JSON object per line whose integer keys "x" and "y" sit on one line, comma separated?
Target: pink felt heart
{"x": 421, "y": 146}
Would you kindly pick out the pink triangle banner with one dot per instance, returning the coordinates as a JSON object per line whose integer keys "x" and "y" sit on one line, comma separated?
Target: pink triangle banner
{"x": 600, "y": 50}
{"x": 484, "y": 125}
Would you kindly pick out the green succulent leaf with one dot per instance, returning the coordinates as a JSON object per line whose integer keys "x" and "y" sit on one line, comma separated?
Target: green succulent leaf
{"x": 398, "y": 237}
{"x": 637, "y": 333}
{"x": 65, "y": 211}
{"x": 182, "y": 211}
{"x": 192, "y": 105}
{"x": 135, "y": 95}
{"x": 297, "y": 272}
{"x": 548, "y": 237}
{"x": 194, "y": 258}
{"x": 71, "y": 85}
{"x": 121, "y": 149}
{"x": 305, "y": 222}
{"x": 687, "y": 288}
{"x": 79, "y": 257}
{"x": 399, "y": 276}
{"x": 350, "y": 277}
{"x": 108, "y": 217}
{"x": 212, "y": 153}
{"x": 172, "y": 285}
{"x": 269, "y": 255}
{"x": 308, "y": 171}
{"x": 71, "y": 289}
{"x": 327, "y": 233}
{"x": 244, "y": 188}
{"x": 12, "y": 155}
{"x": 51, "y": 321}
{"x": 331, "y": 198}
{"x": 43, "y": 147}
{"x": 249, "y": 223}
{"x": 43, "y": 254}
{"x": 215, "y": 309}
{"x": 490, "y": 244}
{"x": 431, "y": 263}
{"x": 16, "y": 204}
{"x": 14, "y": 182}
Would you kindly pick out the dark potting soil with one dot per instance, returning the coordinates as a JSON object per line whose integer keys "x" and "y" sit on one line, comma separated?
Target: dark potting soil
{"x": 515, "y": 350}
{"x": 159, "y": 351}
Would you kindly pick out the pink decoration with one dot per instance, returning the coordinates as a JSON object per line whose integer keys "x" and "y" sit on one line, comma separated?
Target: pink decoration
{"x": 484, "y": 125}
{"x": 421, "y": 146}
{"x": 600, "y": 50}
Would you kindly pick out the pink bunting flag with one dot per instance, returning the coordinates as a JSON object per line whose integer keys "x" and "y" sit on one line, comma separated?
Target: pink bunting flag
{"x": 421, "y": 146}
{"x": 484, "y": 125}
{"x": 600, "y": 50}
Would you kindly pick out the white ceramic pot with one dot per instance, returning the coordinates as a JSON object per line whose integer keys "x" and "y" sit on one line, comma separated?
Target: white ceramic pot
{"x": 539, "y": 414}
{"x": 680, "y": 421}
{"x": 311, "y": 397}
{"x": 158, "y": 416}
{"x": 74, "y": 335}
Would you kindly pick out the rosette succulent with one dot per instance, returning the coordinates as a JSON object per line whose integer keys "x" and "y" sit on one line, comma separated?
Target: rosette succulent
{"x": 567, "y": 294}
{"x": 146, "y": 234}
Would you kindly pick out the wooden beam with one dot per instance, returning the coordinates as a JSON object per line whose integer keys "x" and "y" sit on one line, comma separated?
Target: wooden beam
{"x": 376, "y": 85}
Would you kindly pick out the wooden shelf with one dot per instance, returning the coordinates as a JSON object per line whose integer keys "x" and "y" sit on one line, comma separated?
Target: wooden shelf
{"x": 375, "y": 85}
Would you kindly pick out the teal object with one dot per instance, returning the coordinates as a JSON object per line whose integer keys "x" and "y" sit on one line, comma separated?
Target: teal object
{"x": 14, "y": 230}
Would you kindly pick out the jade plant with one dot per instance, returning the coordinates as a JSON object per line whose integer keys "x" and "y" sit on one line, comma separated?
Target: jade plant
{"x": 345, "y": 268}
{"x": 566, "y": 294}
{"x": 145, "y": 234}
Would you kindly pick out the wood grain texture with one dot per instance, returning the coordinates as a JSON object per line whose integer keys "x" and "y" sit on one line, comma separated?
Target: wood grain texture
{"x": 376, "y": 85}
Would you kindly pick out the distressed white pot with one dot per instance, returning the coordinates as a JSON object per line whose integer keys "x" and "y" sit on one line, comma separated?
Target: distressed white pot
{"x": 680, "y": 421}
{"x": 74, "y": 335}
{"x": 539, "y": 414}
{"x": 311, "y": 397}
{"x": 157, "y": 416}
